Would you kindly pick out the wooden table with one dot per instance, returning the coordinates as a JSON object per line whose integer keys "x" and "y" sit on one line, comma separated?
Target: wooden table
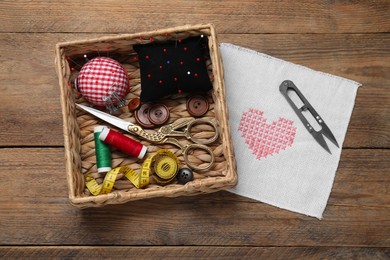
{"x": 346, "y": 38}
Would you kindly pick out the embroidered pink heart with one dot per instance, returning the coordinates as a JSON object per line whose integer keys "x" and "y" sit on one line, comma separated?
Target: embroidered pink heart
{"x": 266, "y": 139}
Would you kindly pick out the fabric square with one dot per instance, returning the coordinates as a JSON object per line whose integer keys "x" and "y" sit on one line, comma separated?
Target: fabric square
{"x": 173, "y": 67}
{"x": 278, "y": 160}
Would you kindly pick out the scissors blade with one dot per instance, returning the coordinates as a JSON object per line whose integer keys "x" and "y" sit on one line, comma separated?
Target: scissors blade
{"x": 120, "y": 123}
{"x": 320, "y": 139}
{"x": 326, "y": 131}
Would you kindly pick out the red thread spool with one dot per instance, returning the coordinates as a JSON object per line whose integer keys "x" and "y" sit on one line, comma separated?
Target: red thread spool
{"x": 123, "y": 143}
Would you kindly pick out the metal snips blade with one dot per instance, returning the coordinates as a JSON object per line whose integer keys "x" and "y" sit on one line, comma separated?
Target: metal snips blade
{"x": 318, "y": 135}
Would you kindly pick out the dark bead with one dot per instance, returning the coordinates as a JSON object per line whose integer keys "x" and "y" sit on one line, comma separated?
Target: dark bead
{"x": 185, "y": 175}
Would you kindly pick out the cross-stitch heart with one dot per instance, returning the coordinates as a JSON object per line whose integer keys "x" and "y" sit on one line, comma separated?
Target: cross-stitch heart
{"x": 266, "y": 139}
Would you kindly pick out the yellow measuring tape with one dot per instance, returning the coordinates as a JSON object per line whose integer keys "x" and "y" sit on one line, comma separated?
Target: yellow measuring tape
{"x": 108, "y": 182}
{"x": 139, "y": 180}
{"x": 93, "y": 186}
{"x": 165, "y": 165}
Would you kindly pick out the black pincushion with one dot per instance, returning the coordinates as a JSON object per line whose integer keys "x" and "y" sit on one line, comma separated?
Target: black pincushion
{"x": 173, "y": 67}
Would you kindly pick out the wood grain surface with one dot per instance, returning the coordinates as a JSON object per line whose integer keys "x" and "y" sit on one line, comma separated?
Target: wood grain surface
{"x": 345, "y": 38}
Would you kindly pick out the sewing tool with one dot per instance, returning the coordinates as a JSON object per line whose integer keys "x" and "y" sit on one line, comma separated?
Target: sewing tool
{"x": 109, "y": 181}
{"x": 92, "y": 185}
{"x": 164, "y": 164}
{"x": 318, "y": 135}
{"x": 102, "y": 151}
{"x": 105, "y": 187}
{"x": 123, "y": 143}
{"x": 103, "y": 82}
{"x": 139, "y": 180}
{"x": 110, "y": 178}
{"x": 173, "y": 67}
{"x": 166, "y": 134}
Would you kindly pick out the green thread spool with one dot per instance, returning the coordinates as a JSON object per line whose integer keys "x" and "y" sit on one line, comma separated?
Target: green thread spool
{"x": 102, "y": 151}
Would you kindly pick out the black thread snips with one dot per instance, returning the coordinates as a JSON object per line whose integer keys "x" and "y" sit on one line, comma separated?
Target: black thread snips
{"x": 318, "y": 135}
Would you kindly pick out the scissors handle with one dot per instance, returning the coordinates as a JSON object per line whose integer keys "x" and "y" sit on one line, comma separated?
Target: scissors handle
{"x": 201, "y": 121}
{"x": 186, "y": 149}
{"x": 289, "y": 85}
{"x": 189, "y": 148}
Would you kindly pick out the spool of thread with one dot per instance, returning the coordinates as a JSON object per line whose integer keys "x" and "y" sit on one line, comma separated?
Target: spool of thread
{"x": 102, "y": 151}
{"x": 123, "y": 143}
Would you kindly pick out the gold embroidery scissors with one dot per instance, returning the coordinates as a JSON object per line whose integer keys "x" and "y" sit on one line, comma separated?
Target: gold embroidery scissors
{"x": 166, "y": 134}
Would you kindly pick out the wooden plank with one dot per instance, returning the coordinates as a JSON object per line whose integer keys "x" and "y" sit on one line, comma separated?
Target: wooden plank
{"x": 192, "y": 252}
{"x": 29, "y": 100}
{"x": 34, "y": 210}
{"x": 360, "y": 57}
{"x": 231, "y": 16}
{"x": 372, "y": 106}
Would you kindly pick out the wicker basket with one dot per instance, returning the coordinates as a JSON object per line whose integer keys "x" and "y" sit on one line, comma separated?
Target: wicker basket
{"x": 78, "y": 125}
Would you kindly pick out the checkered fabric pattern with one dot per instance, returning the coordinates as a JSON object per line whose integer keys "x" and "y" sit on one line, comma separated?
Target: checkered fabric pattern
{"x": 103, "y": 81}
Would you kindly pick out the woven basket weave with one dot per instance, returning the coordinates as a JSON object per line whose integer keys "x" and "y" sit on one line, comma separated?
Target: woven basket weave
{"x": 78, "y": 125}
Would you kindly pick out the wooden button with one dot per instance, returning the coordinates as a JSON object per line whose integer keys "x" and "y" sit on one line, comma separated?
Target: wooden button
{"x": 141, "y": 116}
{"x": 134, "y": 104}
{"x": 158, "y": 114}
{"x": 197, "y": 105}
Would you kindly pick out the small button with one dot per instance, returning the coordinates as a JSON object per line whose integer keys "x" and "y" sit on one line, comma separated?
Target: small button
{"x": 158, "y": 114}
{"x": 134, "y": 104}
{"x": 185, "y": 175}
{"x": 141, "y": 116}
{"x": 197, "y": 106}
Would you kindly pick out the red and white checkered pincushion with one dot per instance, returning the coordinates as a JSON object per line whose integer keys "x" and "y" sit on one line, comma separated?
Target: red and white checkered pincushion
{"x": 103, "y": 82}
